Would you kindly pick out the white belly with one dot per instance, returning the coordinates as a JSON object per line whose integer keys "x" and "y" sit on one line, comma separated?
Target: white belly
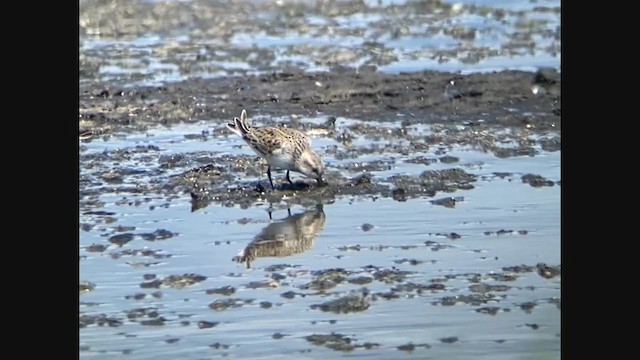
{"x": 280, "y": 161}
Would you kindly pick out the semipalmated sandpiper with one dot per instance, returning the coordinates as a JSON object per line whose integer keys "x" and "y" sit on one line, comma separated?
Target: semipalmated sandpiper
{"x": 281, "y": 147}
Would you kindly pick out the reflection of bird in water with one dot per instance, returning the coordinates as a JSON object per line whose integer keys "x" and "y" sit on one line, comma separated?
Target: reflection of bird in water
{"x": 291, "y": 235}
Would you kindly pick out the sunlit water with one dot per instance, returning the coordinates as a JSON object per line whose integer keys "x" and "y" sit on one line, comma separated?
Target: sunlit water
{"x": 409, "y": 42}
{"x": 209, "y": 238}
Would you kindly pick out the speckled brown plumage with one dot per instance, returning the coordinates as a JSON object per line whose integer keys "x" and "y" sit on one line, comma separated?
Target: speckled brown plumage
{"x": 281, "y": 147}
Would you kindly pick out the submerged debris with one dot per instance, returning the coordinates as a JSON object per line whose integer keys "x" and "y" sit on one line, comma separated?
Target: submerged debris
{"x": 86, "y": 286}
{"x": 343, "y": 305}
{"x": 547, "y": 271}
{"x": 536, "y": 180}
{"x": 225, "y": 290}
{"x": 224, "y": 304}
{"x": 338, "y": 342}
{"x": 181, "y": 281}
{"x": 410, "y": 347}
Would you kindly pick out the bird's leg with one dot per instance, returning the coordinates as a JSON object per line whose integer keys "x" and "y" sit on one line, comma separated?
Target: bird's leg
{"x": 289, "y": 180}
{"x": 269, "y": 175}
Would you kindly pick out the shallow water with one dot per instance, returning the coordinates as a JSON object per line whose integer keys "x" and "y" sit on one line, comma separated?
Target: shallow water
{"x": 499, "y": 224}
{"x": 457, "y": 36}
{"x": 502, "y": 222}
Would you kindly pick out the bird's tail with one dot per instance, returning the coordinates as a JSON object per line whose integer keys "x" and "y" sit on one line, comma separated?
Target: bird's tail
{"x": 240, "y": 126}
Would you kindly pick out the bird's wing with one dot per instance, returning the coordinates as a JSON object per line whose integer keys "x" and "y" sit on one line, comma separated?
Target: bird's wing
{"x": 268, "y": 139}
{"x": 297, "y": 137}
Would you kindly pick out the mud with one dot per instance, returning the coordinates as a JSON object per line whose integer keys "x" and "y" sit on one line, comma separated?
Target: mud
{"x": 505, "y": 98}
{"x": 344, "y": 305}
{"x": 504, "y": 113}
{"x": 505, "y": 101}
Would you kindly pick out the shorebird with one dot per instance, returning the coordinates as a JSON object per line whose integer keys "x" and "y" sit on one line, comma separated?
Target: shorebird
{"x": 282, "y": 148}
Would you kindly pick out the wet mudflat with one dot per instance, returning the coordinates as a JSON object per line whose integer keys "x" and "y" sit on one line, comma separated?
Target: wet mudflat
{"x": 437, "y": 236}
{"x": 377, "y": 262}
